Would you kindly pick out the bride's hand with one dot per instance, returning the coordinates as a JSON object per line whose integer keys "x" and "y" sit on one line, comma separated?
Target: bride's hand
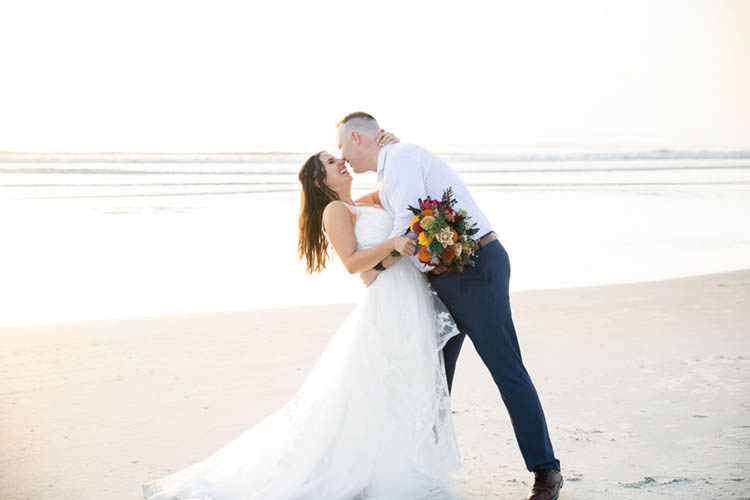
{"x": 404, "y": 245}
{"x": 384, "y": 138}
{"x": 368, "y": 277}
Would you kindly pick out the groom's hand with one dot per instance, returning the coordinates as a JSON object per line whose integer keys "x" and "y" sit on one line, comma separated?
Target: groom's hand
{"x": 368, "y": 277}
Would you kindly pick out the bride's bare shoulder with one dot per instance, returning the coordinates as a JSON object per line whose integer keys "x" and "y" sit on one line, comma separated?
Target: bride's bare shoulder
{"x": 336, "y": 207}
{"x": 335, "y": 211}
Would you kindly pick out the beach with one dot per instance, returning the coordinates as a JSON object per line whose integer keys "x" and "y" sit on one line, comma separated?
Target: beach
{"x": 155, "y": 299}
{"x": 646, "y": 389}
{"x": 155, "y": 303}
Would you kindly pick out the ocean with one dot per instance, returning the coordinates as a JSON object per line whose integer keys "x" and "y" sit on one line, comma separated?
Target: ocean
{"x": 90, "y": 236}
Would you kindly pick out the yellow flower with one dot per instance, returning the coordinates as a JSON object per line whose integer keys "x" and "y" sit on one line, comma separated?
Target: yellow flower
{"x": 424, "y": 240}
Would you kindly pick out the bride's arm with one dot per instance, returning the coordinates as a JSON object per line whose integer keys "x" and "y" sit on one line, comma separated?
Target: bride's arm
{"x": 384, "y": 138}
{"x": 340, "y": 230}
{"x": 368, "y": 277}
{"x": 371, "y": 199}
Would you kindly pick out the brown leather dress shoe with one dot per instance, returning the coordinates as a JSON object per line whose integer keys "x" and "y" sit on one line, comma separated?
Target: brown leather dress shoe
{"x": 547, "y": 484}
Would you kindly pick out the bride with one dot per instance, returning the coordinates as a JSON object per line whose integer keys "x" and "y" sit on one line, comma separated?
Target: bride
{"x": 372, "y": 420}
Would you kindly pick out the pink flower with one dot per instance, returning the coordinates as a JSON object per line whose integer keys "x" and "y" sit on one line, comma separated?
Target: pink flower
{"x": 428, "y": 203}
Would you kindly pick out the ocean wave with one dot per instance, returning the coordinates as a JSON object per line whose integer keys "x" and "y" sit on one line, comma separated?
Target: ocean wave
{"x": 466, "y": 168}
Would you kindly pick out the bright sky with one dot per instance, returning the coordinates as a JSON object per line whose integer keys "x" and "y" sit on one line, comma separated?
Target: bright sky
{"x": 257, "y": 76}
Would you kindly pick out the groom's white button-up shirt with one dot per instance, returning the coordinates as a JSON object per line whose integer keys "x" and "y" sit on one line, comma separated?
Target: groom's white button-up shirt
{"x": 408, "y": 172}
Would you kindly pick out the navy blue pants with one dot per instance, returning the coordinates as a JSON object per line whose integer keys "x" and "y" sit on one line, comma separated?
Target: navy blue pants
{"x": 479, "y": 301}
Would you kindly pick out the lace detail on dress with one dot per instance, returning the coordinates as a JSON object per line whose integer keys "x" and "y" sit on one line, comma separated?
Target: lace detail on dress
{"x": 446, "y": 325}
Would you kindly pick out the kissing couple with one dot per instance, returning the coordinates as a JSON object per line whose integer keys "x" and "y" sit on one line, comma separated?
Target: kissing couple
{"x": 373, "y": 420}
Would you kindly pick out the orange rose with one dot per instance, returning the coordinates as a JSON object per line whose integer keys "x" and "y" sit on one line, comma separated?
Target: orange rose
{"x": 455, "y": 236}
{"x": 424, "y": 255}
{"x": 448, "y": 254}
{"x": 426, "y": 212}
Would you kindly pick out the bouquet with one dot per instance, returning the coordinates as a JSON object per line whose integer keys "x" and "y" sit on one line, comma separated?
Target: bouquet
{"x": 444, "y": 234}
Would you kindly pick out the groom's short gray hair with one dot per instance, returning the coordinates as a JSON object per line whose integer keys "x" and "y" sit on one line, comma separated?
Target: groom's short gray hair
{"x": 361, "y": 122}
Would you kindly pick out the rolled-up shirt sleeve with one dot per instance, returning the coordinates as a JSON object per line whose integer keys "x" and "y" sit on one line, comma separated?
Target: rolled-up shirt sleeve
{"x": 404, "y": 182}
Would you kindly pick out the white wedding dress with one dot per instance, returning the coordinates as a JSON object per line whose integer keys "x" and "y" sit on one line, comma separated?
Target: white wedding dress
{"x": 372, "y": 420}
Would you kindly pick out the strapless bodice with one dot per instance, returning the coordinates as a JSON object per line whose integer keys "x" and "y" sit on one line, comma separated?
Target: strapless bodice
{"x": 373, "y": 226}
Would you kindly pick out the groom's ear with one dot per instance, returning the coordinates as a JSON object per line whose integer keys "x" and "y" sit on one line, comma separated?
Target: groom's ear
{"x": 355, "y": 137}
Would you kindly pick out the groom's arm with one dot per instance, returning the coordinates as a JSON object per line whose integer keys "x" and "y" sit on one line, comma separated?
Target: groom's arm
{"x": 371, "y": 198}
{"x": 405, "y": 185}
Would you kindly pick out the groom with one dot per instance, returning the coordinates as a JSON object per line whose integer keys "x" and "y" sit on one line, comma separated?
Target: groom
{"x": 477, "y": 298}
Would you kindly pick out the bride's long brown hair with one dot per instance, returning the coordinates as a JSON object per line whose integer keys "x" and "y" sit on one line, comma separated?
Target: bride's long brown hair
{"x": 313, "y": 245}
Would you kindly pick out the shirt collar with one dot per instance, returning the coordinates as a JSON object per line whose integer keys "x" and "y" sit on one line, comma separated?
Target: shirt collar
{"x": 382, "y": 155}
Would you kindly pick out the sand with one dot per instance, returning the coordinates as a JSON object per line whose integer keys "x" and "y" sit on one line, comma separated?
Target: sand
{"x": 646, "y": 388}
